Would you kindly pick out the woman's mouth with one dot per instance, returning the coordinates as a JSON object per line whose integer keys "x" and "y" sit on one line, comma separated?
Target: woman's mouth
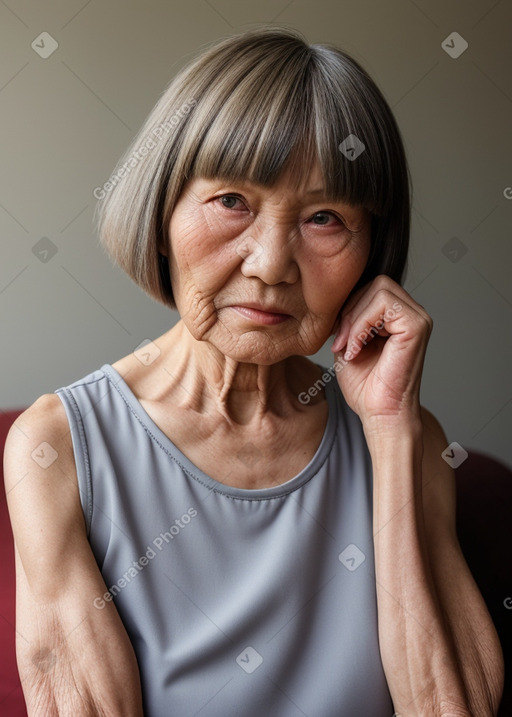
{"x": 260, "y": 315}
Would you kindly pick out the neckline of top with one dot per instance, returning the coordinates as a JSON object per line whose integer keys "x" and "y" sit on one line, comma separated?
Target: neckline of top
{"x": 191, "y": 469}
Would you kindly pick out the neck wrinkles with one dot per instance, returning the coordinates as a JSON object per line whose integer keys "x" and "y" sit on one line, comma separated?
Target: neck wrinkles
{"x": 240, "y": 392}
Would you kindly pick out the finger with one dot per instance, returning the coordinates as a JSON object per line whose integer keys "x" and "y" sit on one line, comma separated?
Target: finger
{"x": 372, "y": 307}
{"x": 382, "y": 282}
{"x": 385, "y": 316}
{"x": 362, "y": 299}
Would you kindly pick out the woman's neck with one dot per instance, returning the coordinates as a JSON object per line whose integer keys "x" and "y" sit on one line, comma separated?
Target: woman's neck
{"x": 209, "y": 381}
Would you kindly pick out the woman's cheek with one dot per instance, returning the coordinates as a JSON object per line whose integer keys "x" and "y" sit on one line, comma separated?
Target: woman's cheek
{"x": 202, "y": 267}
{"x": 327, "y": 282}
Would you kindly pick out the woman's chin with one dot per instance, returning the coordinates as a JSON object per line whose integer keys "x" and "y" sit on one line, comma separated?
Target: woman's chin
{"x": 259, "y": 346}
{"x": 258, "y": 350}
{"x": 242, "y": 339}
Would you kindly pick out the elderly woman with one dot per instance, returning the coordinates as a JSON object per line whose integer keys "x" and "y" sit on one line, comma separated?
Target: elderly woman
{"x": 214, "y": 524}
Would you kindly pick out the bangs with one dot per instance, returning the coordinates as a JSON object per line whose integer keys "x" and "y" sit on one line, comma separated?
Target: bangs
{"x": 287, "y": 113}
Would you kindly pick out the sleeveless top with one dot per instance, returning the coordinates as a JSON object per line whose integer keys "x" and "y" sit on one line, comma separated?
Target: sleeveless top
{"x": 259, "y": 603}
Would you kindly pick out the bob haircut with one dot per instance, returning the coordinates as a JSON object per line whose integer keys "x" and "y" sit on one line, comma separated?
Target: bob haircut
{"x": 246, "y": 109}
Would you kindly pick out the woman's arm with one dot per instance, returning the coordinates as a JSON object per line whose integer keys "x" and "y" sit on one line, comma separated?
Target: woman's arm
{"x": 439, "y": 648}
{"x": 73, "y": 658}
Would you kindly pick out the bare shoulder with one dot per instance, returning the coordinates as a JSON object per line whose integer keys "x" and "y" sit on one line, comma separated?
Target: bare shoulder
{"x": 37, "y": 439}
{"x": 48, "y": 407}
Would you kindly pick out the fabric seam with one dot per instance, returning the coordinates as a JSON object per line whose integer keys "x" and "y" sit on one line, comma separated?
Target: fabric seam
{"x": 85, "y": 452}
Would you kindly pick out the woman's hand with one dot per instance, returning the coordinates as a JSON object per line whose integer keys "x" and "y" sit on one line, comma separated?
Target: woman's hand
{"x": 380, "y": 347}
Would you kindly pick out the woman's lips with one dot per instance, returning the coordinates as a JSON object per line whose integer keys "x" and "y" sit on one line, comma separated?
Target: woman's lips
{"x": 259, "y": 315}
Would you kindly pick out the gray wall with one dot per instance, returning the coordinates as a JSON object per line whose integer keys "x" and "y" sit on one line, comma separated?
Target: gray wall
{"x": 65, "y": 120}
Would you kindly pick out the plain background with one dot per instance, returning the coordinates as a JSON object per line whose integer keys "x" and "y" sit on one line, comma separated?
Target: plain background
{"x": 65, "y": 121}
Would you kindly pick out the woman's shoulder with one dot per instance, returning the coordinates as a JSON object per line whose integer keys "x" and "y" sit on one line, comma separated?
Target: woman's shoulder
{"x": 39, "y": 465}
{"x": 44, "y": 423}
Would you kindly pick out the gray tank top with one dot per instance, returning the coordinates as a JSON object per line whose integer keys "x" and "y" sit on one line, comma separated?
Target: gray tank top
{"x": 259, "y": 603}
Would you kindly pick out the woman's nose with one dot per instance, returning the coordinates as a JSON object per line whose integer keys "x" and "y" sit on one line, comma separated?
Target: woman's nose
{"x": 269, "y": 255}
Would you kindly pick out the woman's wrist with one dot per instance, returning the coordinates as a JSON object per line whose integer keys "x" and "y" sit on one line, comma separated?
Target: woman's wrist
{"x": 384, "y": 432}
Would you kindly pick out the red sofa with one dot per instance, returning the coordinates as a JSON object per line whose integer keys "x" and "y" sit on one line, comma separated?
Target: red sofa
{"x": 12, "y": 703}
{"x": 484, "y": 526}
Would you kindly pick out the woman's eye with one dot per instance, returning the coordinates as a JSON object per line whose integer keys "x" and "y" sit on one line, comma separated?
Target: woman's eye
{"x": 230, "y": 201}
{"x": 324, "y": 218}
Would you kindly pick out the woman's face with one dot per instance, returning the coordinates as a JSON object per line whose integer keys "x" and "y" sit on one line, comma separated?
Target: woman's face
{"x": 261, "y": 273}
